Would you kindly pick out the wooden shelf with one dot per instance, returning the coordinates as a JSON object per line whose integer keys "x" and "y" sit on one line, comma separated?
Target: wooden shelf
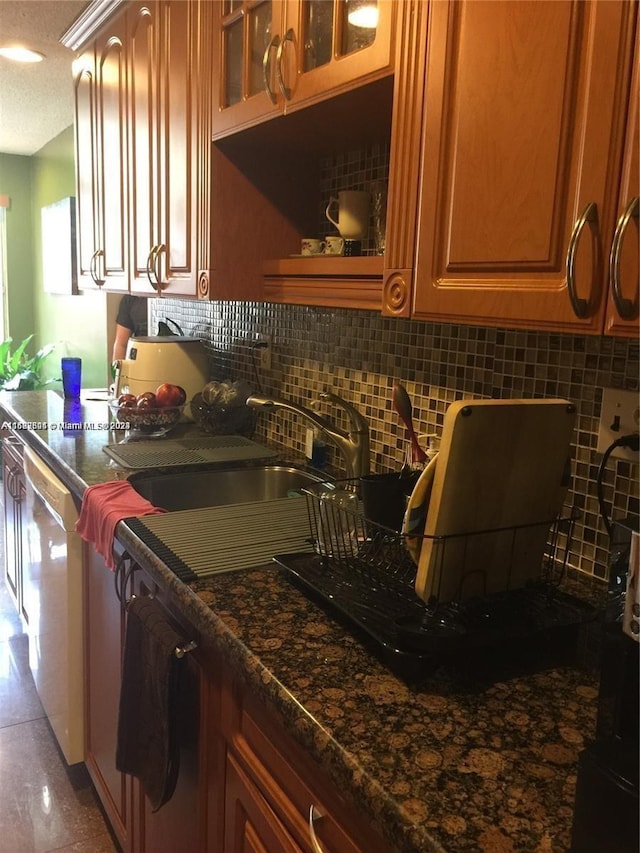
{"x": 366, "y": 266}
{"x": 334, "y": 282}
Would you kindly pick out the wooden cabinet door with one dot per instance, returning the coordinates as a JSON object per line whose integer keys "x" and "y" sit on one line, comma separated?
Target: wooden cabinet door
{"x": 267, "y": 772}
{"x": 14, "y": 487}
{"x": 169, "y": 147}
{"x": 521, "y": 138}
{"x": 179, "y": 824}
{"x": 183, "y": 151}
{"x": 111, "y": 157}
{"x": 250, "y": 825}
{"x": 87, "y": 173}
{"x": 176, "y": 826}
{"x": 143, "y": 180}
{"x": 325, "y": 50}
{"x": 624, "y": 273}
{"x": 244, "y": 42}
{"x": 104, "y": 633}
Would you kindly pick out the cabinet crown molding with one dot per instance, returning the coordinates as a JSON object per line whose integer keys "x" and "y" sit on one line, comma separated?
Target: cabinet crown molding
{"x": 89, "y": 22}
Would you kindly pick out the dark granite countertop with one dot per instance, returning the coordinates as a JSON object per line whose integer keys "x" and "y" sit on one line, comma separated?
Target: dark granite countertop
{"x": 460, "y": 761}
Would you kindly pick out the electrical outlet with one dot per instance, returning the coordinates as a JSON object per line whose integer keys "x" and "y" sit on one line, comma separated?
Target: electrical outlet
{"x": 265, "y": 351}
{"x": 620, "y": 416}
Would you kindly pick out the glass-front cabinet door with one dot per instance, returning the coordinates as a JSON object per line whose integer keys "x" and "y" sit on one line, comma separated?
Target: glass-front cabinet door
{"x": 333, "y": 45}
{"x": 246, "y": 39}
{"x": 273, "y": 57}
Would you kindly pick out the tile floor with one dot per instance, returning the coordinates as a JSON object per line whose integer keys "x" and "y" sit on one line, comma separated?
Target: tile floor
{"x": 44, "y": 805}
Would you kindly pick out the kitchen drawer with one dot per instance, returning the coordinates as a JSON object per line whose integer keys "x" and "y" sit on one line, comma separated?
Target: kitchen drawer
{"x": 250, "y": 824}
{"x": 281, "y": 770}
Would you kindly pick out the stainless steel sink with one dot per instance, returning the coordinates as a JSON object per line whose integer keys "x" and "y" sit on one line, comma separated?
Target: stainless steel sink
{"x": 197, "y": 489}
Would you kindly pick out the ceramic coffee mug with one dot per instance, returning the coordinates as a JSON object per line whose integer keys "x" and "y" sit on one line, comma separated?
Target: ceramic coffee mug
{"x": 353, "y": 214}
{"x": 311, "y": 246}
{"x": 334, "y": 245}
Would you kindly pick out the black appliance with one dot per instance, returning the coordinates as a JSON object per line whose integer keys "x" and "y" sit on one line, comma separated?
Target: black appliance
{"x": 607, "y": 815}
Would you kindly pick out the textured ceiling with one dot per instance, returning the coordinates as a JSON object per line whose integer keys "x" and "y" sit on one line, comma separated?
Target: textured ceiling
{"x": 36, "y": 101}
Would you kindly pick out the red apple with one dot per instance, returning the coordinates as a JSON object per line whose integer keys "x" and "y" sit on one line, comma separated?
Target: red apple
{"x": 127, "y": 400}
{"x": 168, "y": 395}
{"x": 146, "y": 400}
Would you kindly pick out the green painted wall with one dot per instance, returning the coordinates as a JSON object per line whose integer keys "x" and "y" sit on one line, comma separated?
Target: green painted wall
{"x": 15, "y": 181}
{"x": 77, "y": 324}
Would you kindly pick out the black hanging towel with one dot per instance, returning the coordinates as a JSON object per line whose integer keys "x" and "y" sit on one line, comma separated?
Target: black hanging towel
{"x": 147, "y": 745}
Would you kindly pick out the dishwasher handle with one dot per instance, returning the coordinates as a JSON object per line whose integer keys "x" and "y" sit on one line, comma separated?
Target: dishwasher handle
{"x": 53, "y": 492}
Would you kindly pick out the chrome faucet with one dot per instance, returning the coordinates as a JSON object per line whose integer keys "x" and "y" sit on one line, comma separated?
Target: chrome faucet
{"x": 352, "y": 444}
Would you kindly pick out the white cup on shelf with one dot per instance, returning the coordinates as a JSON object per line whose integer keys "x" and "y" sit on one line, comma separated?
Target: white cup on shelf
{"x": 334, "y": 245}
{"x": 311, "y": 246}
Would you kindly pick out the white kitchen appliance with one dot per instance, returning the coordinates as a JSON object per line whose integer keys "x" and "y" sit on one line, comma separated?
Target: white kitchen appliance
{"x": 52, "y": 603}
{"x": 152, "y": 360}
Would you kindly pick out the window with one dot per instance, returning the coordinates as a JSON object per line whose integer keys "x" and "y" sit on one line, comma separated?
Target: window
{"x": 4, "y": 204}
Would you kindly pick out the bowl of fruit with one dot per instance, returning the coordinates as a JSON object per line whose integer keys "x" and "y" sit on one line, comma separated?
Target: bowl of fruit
{"x": 151, "y": 413}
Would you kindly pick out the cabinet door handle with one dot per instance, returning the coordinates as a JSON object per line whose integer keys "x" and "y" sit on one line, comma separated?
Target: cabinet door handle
{"x": 151, "y": 269}
{"x": 93, "y": 268}
{"x": 315, "y": 816}
{"x": 125, "y": 569}
{"x": 626, "y": 308}
{"x": 11, "y": 482}
{"x": 286, "y": 91}
{"x": 266, "y": 68}
{"x": 589, "y": 215}
{"x": 160, "y": 284}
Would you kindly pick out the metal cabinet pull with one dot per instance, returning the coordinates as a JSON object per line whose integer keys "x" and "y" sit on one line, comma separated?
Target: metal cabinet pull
{"x": 181, "y": 651}
{"x": 16, "y": 470}
{"x": 315, "y": 816}
{"x": 93, "y": 268}
{"x": 12, "y": 474}
{"x": 286, "y": 91}
{"x": 151, "y": 260}
{"x": 590, "y": 214}
{"x": 266, "y": 68}
{"x": 626, "y": 308}
{"x": 160, "y": 284}
{"x": 122, "y": 575}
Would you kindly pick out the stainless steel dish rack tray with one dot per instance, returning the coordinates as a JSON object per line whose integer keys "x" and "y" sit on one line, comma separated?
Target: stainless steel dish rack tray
{"x": 364, "y": 572}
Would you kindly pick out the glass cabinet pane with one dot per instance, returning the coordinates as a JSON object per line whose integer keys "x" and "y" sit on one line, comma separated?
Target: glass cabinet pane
{"x": 260, "y": 33}
{"x": 233, "y": 63}
{"x": 318, "y": 33}
{"x": 359, "y": 24}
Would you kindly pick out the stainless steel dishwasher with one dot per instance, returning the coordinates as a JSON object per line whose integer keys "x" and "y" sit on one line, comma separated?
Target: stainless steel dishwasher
{"x": 53, "y": 602}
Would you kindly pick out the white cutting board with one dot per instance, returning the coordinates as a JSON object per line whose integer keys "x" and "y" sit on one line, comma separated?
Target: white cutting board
{"x": 502, "y": 463}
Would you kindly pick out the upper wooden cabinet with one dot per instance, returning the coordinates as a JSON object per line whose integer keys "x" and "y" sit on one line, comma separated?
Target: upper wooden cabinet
{"x": 100, "y": 139}
{"x": 169, "y": 140}
{"x": 273, "y": 57}
{"x": 624, "y": 275}
{"x": 523, "y": 110}
{"x": 244, "y": 42}
{"x": 142, "y": 150}
{"x": 85, "y": 108}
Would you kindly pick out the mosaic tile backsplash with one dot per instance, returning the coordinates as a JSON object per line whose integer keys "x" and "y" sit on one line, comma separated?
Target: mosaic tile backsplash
{"x": 360, "y": 356}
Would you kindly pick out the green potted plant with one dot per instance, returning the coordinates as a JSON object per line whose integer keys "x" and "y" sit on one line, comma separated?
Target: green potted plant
{"x": 20, "y": 371}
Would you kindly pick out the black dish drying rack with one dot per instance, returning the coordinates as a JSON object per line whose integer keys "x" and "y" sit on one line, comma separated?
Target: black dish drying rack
{"x": 363, "y": 572}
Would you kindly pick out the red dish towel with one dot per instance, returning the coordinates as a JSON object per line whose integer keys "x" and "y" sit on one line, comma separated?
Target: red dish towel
{"x": 103, "y": 506}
